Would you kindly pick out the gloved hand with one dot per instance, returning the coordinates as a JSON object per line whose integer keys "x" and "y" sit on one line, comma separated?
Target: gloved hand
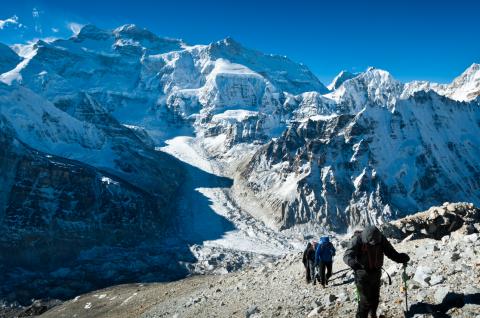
{"x": 404, "y": 258}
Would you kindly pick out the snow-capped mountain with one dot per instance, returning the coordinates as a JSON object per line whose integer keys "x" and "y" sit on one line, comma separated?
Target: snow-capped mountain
{"x": 465, "y": 87}
{"x": 102, "y": 114}
{"x": 384, "y": 152}
{"x": 86, "y": 117}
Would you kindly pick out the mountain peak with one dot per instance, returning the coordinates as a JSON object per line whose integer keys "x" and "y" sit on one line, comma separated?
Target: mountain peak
{"x": 92, "y": 32}
{"x": 8, "y": 58}
{"x": 228, "y": 43}
{"x": 133, "y": 31}
{"x": 378, "y": 75}
{"x": 471, "y": 71}
{"x": 474, "y": 67}
{"x": 126, "y": 28}
{"x": 146, "y": 38}
{"x": 466, "y": 86}
{"x": 340, "y": 78}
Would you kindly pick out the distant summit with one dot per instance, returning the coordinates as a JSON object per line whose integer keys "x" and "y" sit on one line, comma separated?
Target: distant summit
{"x": 340, "y": 78}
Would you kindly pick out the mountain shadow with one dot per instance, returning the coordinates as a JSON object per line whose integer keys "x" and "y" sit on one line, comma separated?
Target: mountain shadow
{"x": 67, "y": 228}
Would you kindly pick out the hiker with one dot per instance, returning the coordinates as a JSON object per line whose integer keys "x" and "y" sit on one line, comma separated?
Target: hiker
{"x": 309, "y": 262}
{"x": 324, "y": 259}
{"x": 365, "y": 256}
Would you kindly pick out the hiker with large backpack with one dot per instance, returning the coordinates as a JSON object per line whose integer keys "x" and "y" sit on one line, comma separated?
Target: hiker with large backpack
{"x": 309, "y": 262}
{"x": 324, "y": 259}
{"x": 365, "y": 256}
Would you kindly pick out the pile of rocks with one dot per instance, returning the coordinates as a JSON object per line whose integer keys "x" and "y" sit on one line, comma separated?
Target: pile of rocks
{"x": 436, "y": 222}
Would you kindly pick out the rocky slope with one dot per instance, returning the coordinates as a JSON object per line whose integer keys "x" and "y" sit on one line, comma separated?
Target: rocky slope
{"x": 443, "y": 282}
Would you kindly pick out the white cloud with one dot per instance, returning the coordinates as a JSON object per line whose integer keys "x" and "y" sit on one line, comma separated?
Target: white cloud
{"x": 55, "y": 30}
{"x": 12, "y": 20}
{"x": 75, "y": 27}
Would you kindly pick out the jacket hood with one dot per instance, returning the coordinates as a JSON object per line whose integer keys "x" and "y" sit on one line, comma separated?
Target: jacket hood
{"x": 371, "y": 235}
{"x": 324, "y": 239}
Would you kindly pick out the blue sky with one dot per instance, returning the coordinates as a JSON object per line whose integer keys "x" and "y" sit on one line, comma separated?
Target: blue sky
{"x": 427, "y": 40}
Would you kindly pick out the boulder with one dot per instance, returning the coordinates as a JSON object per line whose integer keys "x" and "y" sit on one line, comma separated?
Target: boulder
{"x": 329, "y": 299}
{"x": 436, "y": 279}
{"x": 423, "y": 275}
{"x": 440, "y": 294}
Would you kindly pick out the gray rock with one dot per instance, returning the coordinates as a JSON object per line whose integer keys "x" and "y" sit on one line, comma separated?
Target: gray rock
{"x": 315, "y": 312}
{"x": 440, "y": 293}
{"x": 251, "y": 311}
{"x": 423, "y": 275}
{"x": 455, "y": 257}
{"x": 436, "y": 279}
{"x": 329, "y": 299}
{"x": 471, "y": 237}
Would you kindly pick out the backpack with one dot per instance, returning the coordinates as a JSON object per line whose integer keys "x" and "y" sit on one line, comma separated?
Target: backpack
{"x": 326, "y": 251}
{"x": 373, "y": 253}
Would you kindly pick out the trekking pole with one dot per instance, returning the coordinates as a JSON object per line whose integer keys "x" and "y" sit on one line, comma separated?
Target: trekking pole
{"x": 357, "y": 294}
{"x": 405, "y": 278}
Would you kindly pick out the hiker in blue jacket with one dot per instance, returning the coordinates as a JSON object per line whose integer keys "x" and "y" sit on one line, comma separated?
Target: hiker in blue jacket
{"x": 324, "y": 259}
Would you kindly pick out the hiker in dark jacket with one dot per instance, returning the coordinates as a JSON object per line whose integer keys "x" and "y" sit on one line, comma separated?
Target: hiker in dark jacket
{"x": 309, "y": 262}
{"x": 365, "y": 256}
{"x": 324, "y": 259}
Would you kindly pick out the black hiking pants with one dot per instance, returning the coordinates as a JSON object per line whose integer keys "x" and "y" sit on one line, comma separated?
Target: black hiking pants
{"x": 310, "y": 271}
{"x": 325, "y": 267}
{"x": 368, "y": 287}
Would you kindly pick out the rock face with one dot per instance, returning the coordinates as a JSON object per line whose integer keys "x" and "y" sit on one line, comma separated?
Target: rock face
{"x": 339, "y": 171}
